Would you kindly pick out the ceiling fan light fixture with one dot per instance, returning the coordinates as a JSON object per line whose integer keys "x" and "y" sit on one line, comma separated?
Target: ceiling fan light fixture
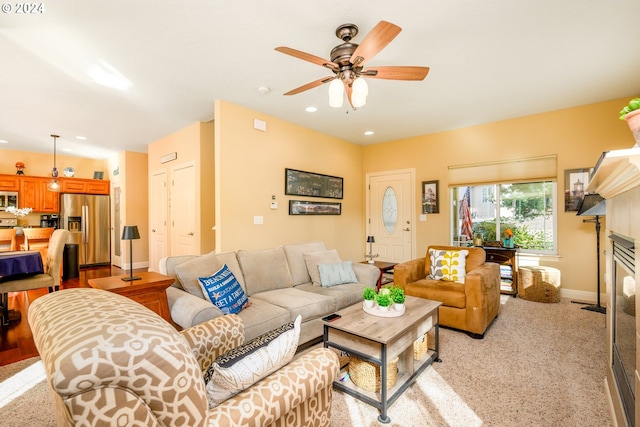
{"x": 360, "y": 92}
{"x": 336, "y": 93}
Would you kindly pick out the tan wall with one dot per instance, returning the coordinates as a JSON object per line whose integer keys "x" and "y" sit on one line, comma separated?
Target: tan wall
{"x": 133, "y": 168}
{"x": 193, "y": 143}
{"x": 578, "y": 136}
{"x": 250, "y": 167}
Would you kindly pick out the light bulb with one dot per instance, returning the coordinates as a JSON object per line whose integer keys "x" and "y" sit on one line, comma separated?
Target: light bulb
{"x": 336, "y": 93}
{"x": 360, "y": 92}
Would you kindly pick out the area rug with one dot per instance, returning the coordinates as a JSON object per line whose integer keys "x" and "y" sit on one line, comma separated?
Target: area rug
{"x": 538, "y": 365}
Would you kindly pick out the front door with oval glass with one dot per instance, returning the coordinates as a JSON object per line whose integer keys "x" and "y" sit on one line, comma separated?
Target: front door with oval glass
{"x": 389, "y": 214}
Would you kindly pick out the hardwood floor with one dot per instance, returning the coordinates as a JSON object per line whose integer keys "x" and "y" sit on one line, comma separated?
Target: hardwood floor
{"x": 16, "y": 340}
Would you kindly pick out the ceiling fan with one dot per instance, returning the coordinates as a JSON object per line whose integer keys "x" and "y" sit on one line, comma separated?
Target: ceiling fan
{"x": 348, "y": 64}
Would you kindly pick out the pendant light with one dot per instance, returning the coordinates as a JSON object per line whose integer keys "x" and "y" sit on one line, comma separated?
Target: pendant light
{"x": 54, "y": 184}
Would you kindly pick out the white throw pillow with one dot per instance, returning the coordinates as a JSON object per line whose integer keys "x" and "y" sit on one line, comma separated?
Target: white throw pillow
{"x": 247, "y": 364}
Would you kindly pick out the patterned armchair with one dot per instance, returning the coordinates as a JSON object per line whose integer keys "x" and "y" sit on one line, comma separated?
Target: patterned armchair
{"x": 111, "y": 361}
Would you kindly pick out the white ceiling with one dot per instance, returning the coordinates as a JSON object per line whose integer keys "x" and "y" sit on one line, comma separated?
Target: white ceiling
{"x": 489, "y": 60}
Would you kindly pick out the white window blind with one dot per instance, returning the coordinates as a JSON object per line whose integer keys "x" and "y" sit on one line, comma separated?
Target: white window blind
{"x": 543, "y": 168}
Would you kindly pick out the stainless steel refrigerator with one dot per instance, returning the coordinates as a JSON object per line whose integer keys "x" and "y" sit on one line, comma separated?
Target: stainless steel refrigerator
{"x": 86, "y": 216}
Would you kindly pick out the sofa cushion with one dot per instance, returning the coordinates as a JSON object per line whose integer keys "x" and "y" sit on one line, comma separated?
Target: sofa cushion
{"x": 336, "y": 274}
{"x": 451, "y": 294}
{"x": 447, "y": 265}
{"x": 342, "y": 295}
{"x": 224, "y": 291}
{"x": 243, "y": 366}
{"x": 298, "y": 302}
{"x": 264, "y": 270}
{"x": 168, "y": 267}
{"x": 312, "y": 259}
{"x": 297, "y": 266}
{"x": 262, "y": 317}
{"x": 203, "y": 266}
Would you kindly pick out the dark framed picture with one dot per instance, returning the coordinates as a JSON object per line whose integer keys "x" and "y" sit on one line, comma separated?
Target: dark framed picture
{"x": 575, "y": 182}
{"x": 303, "y": 207}
{"x": 430, "y": 199}
{"x": 301, "y": 183}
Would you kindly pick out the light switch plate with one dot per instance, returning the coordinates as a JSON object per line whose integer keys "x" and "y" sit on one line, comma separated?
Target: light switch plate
{"x": 258, "y": 219}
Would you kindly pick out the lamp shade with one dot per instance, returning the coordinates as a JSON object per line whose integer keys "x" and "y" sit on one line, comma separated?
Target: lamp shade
{"x": 371, "y": 239}
{"x": 130, "y": 232}
{"x": 336, "y": 93}
{"x": 592, "y": 205}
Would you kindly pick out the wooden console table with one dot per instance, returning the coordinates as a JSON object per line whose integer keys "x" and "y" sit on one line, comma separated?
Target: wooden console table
{"x": 508, "y": 268}
{"x": 385, "y": 267}
{"x": 149, "y": 291}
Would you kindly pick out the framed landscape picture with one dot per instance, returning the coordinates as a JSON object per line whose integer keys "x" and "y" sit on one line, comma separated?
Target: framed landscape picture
{"x": 430, "y": 200}
{"x": 301, "y": 183}
{"x": 302, "y": 207}
{"x": 575, "y": 183}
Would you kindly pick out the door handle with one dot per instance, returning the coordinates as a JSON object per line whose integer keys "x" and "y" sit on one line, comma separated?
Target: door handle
{"x": 153, "y": 230}
{"x": 190, "y": 234}
{"x": 406, "y": 229}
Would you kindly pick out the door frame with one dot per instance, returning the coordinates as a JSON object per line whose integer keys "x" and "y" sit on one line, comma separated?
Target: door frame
{"x": 412, "y": 202}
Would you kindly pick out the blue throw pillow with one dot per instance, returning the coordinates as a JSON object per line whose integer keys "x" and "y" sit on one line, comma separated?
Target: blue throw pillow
{"x": 336, "y": 274}
{"x": 224, "y": 291}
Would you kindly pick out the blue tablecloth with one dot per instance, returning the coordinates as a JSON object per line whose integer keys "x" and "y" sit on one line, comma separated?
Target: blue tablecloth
{"x": 20, "y": 262}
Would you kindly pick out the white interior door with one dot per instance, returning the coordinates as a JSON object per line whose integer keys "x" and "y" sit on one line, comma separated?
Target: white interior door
{"x": 158, "y": 207}
{"x": 391, "y": 214}
{"x": 184, "y": 219}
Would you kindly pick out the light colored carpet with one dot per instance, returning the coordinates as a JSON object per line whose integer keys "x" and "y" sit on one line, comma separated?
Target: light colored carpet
{"x": 538, "y": 365}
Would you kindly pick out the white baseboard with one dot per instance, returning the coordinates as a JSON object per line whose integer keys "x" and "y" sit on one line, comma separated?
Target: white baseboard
{"x": 590, "y": 297}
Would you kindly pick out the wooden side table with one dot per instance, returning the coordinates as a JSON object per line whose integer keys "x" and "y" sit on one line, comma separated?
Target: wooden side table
{"x": 149, "y": 291}
{"x": 384, "y": 267}
{"x": 505, "y": 257}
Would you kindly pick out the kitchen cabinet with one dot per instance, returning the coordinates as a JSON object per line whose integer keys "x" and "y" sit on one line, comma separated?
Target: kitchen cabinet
{"x": 84, "y": 186}
{"x": 35, "y": 195}
{"x": 9, "y": 183}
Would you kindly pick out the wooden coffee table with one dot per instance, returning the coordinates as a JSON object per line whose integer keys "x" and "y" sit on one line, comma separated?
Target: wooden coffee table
{"x": 381, "y": 339}
{"x": 149, "y": 291}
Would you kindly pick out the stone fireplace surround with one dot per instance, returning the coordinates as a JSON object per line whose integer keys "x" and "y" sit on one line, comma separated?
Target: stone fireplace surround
{"x": 616, "y": 177}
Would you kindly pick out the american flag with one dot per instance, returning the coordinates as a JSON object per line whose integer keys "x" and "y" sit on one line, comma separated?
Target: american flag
{"x": 466, "y": 229}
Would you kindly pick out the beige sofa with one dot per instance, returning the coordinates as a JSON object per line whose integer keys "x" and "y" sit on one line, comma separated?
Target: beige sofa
{"x": 470, "y": 306}
{"x": 111, "y": 361}
{"x": 278, "y": 281}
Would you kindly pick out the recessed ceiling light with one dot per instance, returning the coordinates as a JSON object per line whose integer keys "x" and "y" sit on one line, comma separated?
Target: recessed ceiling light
{"x": 264, "y": 90}
{"x": 369, "y": 132}
{"x": 3, "y": 141}
{"x": 82, "y": 138}
{"x": 311, "y": 109}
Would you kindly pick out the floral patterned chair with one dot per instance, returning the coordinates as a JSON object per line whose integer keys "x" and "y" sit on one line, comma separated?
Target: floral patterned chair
{"x": 111, "y": 361}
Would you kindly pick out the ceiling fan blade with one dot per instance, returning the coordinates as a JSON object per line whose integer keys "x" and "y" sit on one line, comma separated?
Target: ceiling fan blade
{"x": 310, "y": 85}
{"x": 349, "y": 91}
{"x": 374, "y": 42}
{"x": 396, "y": 73}
{"x": 308, "y": 57}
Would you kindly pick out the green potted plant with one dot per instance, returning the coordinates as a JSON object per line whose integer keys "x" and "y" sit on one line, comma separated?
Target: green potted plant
{"x": 369, "y": 295}
{"x": 398, "y": 297}
{"x": 384, "y": 301}
{"x": 631, "y": 113}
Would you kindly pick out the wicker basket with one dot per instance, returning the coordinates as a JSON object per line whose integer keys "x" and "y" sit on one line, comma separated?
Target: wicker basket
{"x": 420, "y": 347}
{"x": 367, "y": 375}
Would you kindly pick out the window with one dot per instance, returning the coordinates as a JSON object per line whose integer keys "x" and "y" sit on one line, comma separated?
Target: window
{"x": 527, "y": 208}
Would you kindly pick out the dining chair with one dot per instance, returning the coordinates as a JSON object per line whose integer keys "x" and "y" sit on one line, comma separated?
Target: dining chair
{"x": 37, "y": 239}
{"x": 49, "y": 279}
{"x": 7, "y": 239}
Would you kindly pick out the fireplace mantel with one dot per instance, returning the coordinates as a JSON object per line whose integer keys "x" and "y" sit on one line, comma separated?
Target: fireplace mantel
{"x": 616, "y": 172}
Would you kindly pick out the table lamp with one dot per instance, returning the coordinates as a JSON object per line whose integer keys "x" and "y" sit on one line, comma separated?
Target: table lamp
{"x": 130, "y": 232}
{"x": 371, "y": 240}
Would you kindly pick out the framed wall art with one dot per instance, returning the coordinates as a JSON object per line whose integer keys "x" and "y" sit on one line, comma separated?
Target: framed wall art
{"x": 301, "y": 183}
{"x": 303, "y": 207}
{"x": 430, "y": 201}
{"x": 575, "y": 183}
